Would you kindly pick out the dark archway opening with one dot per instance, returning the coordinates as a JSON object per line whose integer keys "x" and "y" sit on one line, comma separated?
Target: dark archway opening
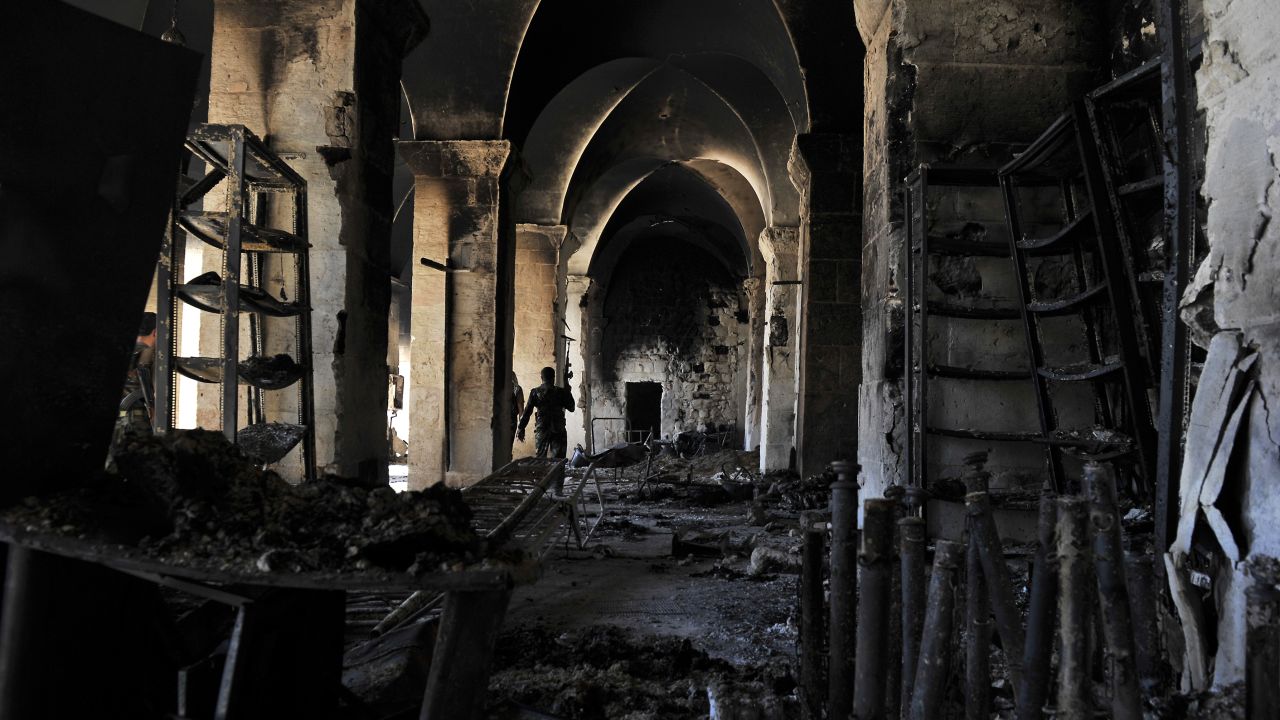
{"x": 644, "y": 409}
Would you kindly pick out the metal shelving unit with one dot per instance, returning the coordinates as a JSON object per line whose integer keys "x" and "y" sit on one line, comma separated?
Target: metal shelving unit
{"x": 250, "y": 174}
{"x": 925, "y": 243}
{"x": 1114, "y": 370}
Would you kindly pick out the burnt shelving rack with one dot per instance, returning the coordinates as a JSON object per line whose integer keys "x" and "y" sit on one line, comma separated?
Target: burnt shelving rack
{"x": 1062, "y": 170}
{"x": 240, "y": 163}
{"x": 927, "y": 243}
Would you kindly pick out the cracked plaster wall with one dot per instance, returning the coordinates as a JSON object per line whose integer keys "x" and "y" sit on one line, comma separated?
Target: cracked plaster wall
{"x": 1239, "y": 90}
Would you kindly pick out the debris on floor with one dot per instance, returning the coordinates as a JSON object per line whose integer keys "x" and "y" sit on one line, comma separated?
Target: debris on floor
{"x": 606, "y": 673}
{"x": 192, "y": 498}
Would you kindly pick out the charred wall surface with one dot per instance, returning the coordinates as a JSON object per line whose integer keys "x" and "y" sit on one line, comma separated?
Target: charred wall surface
{"x": 672, "y": 315}
{"x": 960, "y": 83}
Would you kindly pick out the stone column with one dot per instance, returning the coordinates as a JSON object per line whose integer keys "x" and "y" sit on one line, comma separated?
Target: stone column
{"x": 319, "y": 81}
{"x": 578, "y": 291}
{"x": 537, "y": 318}
{"x": 831, "y": 332}
{"x": 753, "y": 288}
{"x": 780, "y": 247}
{"x": 462, "y": 328}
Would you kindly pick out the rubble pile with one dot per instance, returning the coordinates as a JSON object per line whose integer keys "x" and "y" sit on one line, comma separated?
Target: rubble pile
{"x": 605, "y": 672}
{"x": 192, "y": 498}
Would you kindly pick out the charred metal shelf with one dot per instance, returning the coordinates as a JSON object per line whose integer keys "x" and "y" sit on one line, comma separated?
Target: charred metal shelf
{"x": 1134, "y": 84}
{"x": 964, "y": 373}
{"x": 209, "y": 299}
{"x": 262, "y": 167}
{"x": 946, "y": 309}
{"x": 1052, "y": 140}
{"x": 1112, "y": 441}
{"x": 211, "y": 227}
{"x": 1060, "y": 242}
{"x": 1067, "y": 305}
{"x": 1082, "y": 372}
{"x": 1146, "y": 185}
{"x": 964, "y": 248}
{"x": 991, "y": 435}
{"x": 209, "y": 370}
{"x": 269, "y": 442}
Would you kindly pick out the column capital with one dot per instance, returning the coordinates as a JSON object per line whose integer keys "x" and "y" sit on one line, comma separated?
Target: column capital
{"x": 751, "y": 285}
{"x": 553, "y": 234}
{"x": 777, "y": 241}
{"x": 456, "y": 158}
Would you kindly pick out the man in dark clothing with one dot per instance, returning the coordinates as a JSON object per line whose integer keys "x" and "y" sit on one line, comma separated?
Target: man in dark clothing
{"x": 135, "y": 405}
{"x": 551, "y": 401}
{"x": 139, "y": 390}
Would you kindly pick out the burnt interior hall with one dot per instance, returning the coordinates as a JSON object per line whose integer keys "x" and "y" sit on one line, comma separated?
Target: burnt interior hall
{"x": 640, "y": 359}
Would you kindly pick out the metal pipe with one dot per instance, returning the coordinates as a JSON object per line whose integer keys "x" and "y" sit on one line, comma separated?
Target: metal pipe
{"x": 935, "y": 645}
{"x": 999, "y": 587}
{"x": 1073, "y": 611}
{"x": 875, "y": 559}
{"x": 977, "y": 662}
{"x": 1144, "y": 589}
{"x": 1113, "y": 595}
{"x": 911, "y": 538}
{"x": 1041, "y": 615}
{"x": 844, "y": 589}
{"x": 977, "y": 649}
{"x": 893, "y": 656}
{"x": 1262, "y": 650}
{"x": 812, "y": 622}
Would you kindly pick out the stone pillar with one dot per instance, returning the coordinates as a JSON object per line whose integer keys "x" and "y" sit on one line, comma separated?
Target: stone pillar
{"x": 753, "y": 288}
{"x": 537, "y": 317}
{"x": 319, "y": 81}
{"x": 780, "y": 247}
{"x": 461, "y": 318}
{"x": 578, "y": 295}
{"x": 831, "y": 331}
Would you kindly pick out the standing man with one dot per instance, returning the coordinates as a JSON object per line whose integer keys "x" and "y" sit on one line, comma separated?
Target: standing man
{"x": 551, "y": 401}
{"x": 135, "y": 405}
{"x": 139, "y": 391}
{"x": 517, "y": 403}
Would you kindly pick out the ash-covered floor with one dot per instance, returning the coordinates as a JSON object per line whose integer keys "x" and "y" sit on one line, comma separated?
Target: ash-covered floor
{"x": 681, "y": 598}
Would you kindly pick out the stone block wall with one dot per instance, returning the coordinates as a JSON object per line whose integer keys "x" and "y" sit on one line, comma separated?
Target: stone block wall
{"x": 831, "y": 342}
{"x": 672, "y": 316}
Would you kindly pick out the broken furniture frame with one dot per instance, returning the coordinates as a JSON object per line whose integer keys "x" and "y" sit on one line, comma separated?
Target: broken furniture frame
{"x": 1138, "y": 129}
{"x": 1183, "y": 250}
{"x": 240, "y": 162}
{"x": 303, "y": 613}
{"x": 626, "y": 435}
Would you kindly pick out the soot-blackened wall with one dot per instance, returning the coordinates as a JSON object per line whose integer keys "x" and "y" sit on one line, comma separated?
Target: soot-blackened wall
{"x": 673, "y": 315}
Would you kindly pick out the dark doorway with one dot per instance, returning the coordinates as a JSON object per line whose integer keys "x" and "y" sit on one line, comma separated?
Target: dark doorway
{"x": 644, "y": 410}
